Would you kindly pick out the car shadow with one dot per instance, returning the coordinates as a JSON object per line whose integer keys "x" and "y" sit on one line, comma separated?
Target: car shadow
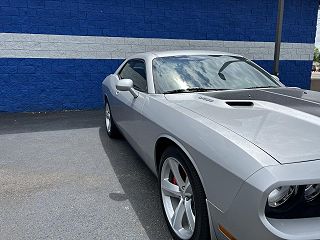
{"x": 139, "y": 185}
{"x": 12, "y": 123}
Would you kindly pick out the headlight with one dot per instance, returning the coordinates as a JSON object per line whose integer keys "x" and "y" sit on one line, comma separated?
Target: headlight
{"x": 311, "y": 192}
{"x": 293, "y": 202}
{"x": 281, "y": 195}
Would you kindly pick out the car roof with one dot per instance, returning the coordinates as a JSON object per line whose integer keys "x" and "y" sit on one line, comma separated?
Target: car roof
{"x": 156, "y": 54}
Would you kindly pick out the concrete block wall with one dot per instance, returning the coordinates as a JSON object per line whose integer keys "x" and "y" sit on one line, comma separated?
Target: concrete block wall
{"x": 31, "y": 84}
{"x": 54, "y": 54}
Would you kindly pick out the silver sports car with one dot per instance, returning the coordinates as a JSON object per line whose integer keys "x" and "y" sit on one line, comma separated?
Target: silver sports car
{"x": 237, "y": 153}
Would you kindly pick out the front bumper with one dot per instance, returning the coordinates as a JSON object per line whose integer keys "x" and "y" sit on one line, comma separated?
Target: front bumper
{"x": 245, "y": 219}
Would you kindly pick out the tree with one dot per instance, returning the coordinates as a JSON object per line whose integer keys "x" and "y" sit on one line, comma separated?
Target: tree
{"x": 316, "y": 55}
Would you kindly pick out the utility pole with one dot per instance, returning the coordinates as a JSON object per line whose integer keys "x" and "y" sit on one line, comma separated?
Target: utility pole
{"x": 278, "y": 38}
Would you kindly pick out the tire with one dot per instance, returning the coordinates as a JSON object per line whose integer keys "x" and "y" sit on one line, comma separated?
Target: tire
{"x": 110, "y": 126}
{"x": 182, "y": 196}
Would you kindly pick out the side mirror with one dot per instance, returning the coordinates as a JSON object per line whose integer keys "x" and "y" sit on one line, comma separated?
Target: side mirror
{"x": 126, "y": 85}
{"x": 276, "y": 78}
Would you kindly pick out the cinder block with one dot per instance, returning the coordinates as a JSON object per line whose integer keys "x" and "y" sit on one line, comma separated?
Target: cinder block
{"x": 4, "y": 3}
{"x": 26, "y": 69}
{"x": 8, "y": 69}
{"x": 52, "y": 4}
{"x": 36, "y": 3}
{"x": 9, "y": 11}
{"x": 134, "y": 41}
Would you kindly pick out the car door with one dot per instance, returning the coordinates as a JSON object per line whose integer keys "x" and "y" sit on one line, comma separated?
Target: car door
{"x": 128, "y": 110}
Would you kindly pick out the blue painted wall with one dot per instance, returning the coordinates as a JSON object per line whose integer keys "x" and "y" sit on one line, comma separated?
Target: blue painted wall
{"x": 292, "y": 73}
{"x": 53, "y": 84}
{"x": 248, "y": 20}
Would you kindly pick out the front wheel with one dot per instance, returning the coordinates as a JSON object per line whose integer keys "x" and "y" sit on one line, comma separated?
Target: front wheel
{"x": 183, "y": 197}
{"x": 111, "y": 128}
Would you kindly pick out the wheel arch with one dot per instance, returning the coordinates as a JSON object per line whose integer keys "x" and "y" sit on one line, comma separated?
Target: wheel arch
{"x": 165, "y": 141}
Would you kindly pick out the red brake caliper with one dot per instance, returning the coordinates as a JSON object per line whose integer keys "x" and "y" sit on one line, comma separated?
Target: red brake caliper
{"x": 174, "y": 181}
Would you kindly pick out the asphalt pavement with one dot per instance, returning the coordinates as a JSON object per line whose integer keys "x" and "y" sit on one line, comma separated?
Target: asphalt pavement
{"x": 61, "y": 177}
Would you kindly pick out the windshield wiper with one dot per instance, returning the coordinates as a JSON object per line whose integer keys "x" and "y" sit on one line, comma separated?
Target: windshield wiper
{"x": 261, "y": 87}
{"x": 197, "y": 89}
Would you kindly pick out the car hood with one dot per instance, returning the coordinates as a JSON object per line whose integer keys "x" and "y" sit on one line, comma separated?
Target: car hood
{"x": 284, "y": 122}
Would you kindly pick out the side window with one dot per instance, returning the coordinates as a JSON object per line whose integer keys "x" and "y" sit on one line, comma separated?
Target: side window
{"x": 135, "y": 70}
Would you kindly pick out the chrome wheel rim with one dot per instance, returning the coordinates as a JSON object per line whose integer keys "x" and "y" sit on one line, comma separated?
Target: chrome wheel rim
{"x": 108, "y": 117}
{"x": 177, "y": 198}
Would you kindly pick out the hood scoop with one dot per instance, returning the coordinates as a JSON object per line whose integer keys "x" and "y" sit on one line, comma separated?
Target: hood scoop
{"x": 240, "y": 103}
{"x": 298, "y": 99}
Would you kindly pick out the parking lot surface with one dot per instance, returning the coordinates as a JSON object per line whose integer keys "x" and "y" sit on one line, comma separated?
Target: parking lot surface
{"x": 61, "y": 177}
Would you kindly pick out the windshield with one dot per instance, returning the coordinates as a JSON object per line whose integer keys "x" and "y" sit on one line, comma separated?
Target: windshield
{"x": 208, "y": 72}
